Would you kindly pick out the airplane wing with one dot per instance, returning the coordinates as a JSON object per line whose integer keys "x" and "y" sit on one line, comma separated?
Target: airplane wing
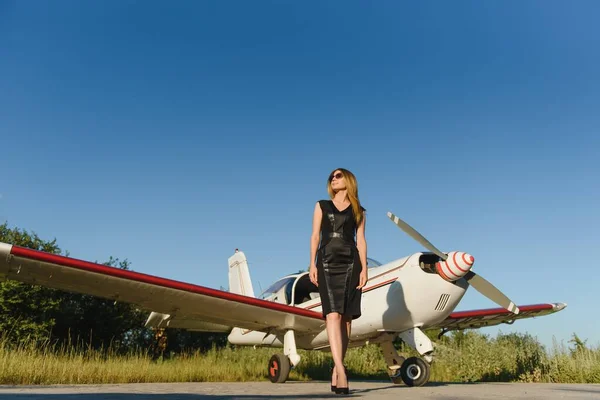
{"x": 494, "y": 316}
{"x": 188, "y": 305}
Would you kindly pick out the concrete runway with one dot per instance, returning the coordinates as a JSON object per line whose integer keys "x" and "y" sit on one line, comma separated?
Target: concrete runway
{"x": 298, "y": 390}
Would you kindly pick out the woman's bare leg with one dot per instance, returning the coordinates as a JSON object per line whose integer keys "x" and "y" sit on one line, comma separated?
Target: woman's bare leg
{"x": 334, "y": 333}
{"x": 346, "y": 331}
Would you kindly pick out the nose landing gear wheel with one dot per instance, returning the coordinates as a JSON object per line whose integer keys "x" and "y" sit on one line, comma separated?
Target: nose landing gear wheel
{"x": 279, "y": 368}
{"x": 415, "y": 372}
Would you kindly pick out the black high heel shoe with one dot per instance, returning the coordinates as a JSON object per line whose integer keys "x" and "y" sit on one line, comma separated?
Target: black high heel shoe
{"x": 343, "y": 390}
{"x": 333, "y": 387}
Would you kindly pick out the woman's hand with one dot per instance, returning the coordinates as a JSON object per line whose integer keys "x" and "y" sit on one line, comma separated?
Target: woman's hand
{"x": 312, "y": 273}
{"x": 363, "y": 278}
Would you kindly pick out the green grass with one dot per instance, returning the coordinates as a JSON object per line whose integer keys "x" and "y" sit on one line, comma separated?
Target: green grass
{"x": 467, "y": 357}
{"x": 513, "y": 358}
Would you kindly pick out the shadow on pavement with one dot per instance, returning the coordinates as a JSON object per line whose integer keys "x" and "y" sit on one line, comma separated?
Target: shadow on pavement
{"x": 190, "y": 396}
{"x": 584, "y": 389}
{"x": 166, "y": 396}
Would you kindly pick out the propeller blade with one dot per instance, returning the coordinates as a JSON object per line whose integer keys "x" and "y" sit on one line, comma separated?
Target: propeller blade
{"x": 490, "y": 291}
{"x": 416, "y": 235}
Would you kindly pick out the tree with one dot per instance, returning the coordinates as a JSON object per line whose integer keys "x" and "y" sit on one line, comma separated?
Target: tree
{"x": 35, "y": 313}
{"x": 27, "y": 312}
{"x": 99, "y": 322}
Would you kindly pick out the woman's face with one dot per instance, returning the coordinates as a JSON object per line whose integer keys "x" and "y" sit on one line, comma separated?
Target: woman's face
{"x": 338, "y": 181}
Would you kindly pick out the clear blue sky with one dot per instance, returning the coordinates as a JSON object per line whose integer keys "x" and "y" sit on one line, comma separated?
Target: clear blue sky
{"x": 172, "y": 133}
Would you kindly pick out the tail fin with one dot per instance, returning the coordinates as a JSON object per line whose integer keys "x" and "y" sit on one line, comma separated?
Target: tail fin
{"x": 239, "y": 275}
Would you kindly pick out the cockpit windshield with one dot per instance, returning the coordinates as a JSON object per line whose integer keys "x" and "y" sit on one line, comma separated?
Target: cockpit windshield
{"x": 281, "y": 291}
{"x": 276, "y": 287}
{"x": 372, "y": 263}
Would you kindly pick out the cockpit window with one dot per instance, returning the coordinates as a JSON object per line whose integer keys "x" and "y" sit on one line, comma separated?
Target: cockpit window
{"x": 276, "y": 287}
{"x": 305, "y": 290}
{"x": 372, "y": 263}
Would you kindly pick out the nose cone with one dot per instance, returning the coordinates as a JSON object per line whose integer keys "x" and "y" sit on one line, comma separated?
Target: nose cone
{"x": 456, "y": 265}
{"x": 469, "y": 259}
{"x": 462, "y": 261}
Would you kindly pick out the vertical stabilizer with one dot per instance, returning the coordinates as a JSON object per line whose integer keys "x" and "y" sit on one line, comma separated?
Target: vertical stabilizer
{"x": 239, "y": 275}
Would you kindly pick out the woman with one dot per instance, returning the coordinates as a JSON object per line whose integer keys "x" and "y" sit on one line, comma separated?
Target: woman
{"x": 340, "y": 269}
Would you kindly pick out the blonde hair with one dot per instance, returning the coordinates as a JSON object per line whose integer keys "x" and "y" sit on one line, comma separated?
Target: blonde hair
{"x": 351, "y": 190}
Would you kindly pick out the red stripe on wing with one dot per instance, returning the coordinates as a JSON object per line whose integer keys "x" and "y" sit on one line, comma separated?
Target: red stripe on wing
{"x": 153, "y": 280}
{"x": 496, "y": 311}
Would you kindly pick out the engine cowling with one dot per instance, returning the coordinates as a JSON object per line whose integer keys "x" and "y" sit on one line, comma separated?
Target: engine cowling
{"x": 455, "y": 266}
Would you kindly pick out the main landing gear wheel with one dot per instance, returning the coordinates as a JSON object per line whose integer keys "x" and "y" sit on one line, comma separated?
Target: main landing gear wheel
{"x": 415, "y": 372}
{"x": 279, "y": 368}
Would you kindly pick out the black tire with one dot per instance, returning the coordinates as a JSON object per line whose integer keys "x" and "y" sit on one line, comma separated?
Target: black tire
{"x": 279, "y": 368}
{"x": 415, "y": 372}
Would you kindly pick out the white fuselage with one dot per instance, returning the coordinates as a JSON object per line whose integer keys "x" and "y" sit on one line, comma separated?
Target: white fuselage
{"x": 398, "y": 296}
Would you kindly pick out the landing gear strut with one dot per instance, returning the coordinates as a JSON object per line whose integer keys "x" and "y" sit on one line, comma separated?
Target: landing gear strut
{"x": 413, "y": 371}
{"x": 393, "y": 361}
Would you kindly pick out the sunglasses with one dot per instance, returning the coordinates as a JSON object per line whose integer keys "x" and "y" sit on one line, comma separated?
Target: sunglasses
{"x": 339, "y": 175}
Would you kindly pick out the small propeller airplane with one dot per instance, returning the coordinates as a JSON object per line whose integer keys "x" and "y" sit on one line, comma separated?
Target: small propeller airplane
{"x": 401, "y": 299}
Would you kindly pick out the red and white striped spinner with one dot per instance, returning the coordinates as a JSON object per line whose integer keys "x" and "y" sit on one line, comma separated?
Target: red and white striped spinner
{"x": 456, "y": 265}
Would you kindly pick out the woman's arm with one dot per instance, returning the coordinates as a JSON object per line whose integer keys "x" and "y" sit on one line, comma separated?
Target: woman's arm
{"x": 361, "y": 244}
{"x": 314, "y": 242}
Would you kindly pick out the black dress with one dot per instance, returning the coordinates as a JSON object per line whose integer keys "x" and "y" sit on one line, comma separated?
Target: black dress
{"x": 338, "y": 262}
